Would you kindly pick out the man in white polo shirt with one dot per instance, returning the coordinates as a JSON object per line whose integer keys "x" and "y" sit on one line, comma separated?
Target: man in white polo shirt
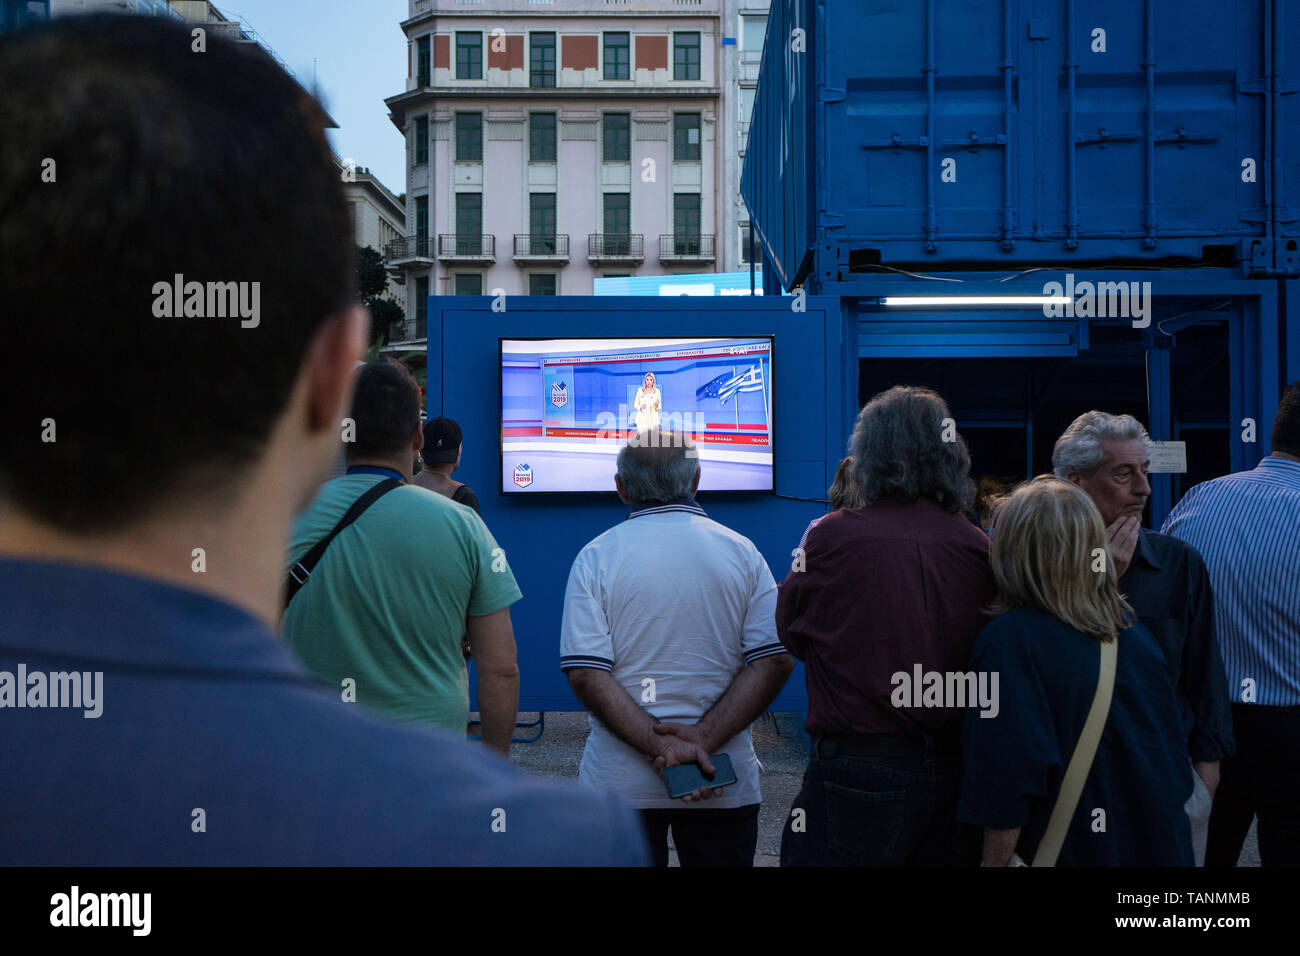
{"x": 669, "y": 640}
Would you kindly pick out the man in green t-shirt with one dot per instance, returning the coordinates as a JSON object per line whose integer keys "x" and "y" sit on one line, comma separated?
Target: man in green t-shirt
{"x": 382, "y": 615}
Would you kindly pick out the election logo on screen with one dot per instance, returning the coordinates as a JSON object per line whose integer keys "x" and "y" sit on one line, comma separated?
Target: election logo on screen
{"x": 523, "y": 475}
{"x": 728, "y": 384}
{"x": 559, "y": 394}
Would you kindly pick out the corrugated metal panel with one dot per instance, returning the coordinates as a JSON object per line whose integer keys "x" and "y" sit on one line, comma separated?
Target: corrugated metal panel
{"x": 944, "y": 133}
{"x": 776, "y": 183}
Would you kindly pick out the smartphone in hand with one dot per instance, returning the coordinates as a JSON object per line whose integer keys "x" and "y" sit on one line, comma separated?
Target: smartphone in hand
{"x": 687, "y": 777}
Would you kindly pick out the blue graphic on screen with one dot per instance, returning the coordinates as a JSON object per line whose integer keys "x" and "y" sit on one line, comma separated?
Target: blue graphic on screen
{"x": 567, "y": 406}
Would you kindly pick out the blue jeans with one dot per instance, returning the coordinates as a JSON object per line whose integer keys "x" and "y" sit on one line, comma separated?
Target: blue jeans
{"x": 879, "y": 811}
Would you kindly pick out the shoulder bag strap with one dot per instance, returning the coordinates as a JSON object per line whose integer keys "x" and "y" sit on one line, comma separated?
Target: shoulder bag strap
{"x": 300, "y": 572}
{"x": 1081, "y": 761}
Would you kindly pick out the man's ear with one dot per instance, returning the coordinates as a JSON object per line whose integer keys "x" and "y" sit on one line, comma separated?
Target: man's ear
{"x": 696, "y": 483}
{"x": 417, "y": 440}
{"x": 330, "y": 367}
{"x": 618, "y": 486}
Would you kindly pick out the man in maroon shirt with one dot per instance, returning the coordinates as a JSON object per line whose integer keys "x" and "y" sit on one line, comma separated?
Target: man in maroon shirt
{"x": 883, "y": 607}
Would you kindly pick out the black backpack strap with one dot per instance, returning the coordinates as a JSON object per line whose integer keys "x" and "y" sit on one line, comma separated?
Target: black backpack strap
{"x": 300, "y": 572}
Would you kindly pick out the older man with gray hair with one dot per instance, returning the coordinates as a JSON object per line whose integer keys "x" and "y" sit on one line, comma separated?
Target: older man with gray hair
{"x": 669, "y": 640}
{"x": 1167, "y": 584}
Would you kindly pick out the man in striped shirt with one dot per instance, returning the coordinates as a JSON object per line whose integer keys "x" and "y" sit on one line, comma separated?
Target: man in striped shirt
{"x": 1246, "y": 527}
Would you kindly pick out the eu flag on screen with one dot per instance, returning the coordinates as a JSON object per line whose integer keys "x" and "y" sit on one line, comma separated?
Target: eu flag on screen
{"x": 728, "y": 384}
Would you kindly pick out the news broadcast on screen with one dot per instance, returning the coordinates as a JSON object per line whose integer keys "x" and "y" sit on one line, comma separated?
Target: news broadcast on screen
{"x": 569, "y": 405}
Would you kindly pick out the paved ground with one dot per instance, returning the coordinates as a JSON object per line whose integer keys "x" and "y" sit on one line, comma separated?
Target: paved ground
{"x": 780, "y": 749}
{"x": 777, "y": 742}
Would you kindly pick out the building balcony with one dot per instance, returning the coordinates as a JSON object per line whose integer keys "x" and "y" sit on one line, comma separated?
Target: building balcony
{"x": 553, "y": 249}
{"x": 227, "y": 30}
{"x": 613, "y": 247}
{"x": 688, "y": 248}
{"x": 467, "y": 248}
{"x": 409, "y": 249}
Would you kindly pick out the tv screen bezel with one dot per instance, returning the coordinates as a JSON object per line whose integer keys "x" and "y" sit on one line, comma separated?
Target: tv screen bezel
{"x": 501, "y": 451}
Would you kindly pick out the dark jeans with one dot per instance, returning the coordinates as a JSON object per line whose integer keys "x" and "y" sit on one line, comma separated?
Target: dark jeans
{"x": 704, "y": 836}
{"x": 880, "y": 811}
{"x": 1262, "y": 778}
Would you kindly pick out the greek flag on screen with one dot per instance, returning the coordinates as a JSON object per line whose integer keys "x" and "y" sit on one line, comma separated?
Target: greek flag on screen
{"x": 728, "y": 384}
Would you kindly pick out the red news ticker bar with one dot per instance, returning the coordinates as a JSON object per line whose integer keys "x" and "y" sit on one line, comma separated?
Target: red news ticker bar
{"x": 732, "y": 439}
{"x": 761, "y": 428}
{"x": 521, "y": 432}
{"x": 601, "y": 433}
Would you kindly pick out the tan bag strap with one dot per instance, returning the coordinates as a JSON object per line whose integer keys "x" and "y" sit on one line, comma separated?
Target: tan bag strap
{"x": 1076, "y": 774}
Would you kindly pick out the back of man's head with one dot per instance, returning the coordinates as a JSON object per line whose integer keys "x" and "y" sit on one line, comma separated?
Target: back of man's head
{"x": 658, "y": 466}
{"x": 1286, "y": 426}
{"x": 132, "y": 160}
{"x": 386, "y": 410}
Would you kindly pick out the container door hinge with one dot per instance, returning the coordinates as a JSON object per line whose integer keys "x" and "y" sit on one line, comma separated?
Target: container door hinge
{"x": 830, "y": 95}
{"x": 1268, "y": 258}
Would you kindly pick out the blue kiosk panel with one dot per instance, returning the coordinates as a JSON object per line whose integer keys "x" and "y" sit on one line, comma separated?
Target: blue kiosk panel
{"x": 813, "y": 404}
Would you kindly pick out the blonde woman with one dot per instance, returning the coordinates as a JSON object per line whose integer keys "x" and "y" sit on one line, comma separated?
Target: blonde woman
{"x": 1057, "y": 602}
{"x": 649, "y": 400}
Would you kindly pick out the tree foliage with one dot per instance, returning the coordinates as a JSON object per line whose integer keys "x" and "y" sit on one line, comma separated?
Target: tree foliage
{"x": 372, "y": 285}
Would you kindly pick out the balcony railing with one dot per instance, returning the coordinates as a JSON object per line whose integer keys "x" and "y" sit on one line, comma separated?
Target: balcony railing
{"x": 538, "y": 78}
{"x": 459, "y": 246}
{"x": 690, "y": 246}
{"x": 228, "y": 31}
{"x": 409, "y": 247}
{"x": 614, "y": 245}
{"x": 541, "y": 246}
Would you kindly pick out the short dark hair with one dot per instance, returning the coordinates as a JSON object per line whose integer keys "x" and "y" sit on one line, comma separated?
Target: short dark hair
{"x": 130, "y": 158}
{"x": 899, "y": 453}
{"x": 1286, "y": 426}
{"x": 386, "y": 409}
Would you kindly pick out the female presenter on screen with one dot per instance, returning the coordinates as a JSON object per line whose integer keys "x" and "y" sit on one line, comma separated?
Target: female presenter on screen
{"x": 648, "y": 402}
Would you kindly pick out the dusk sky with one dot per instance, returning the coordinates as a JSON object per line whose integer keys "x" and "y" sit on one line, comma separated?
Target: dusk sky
{"x": 360, "y": 55}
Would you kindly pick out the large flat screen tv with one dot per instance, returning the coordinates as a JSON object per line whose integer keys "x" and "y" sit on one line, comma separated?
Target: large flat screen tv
{"x": 569, "y": 405}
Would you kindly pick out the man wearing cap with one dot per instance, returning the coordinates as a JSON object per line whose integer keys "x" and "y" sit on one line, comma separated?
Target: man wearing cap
{"x": 441, "y": 455}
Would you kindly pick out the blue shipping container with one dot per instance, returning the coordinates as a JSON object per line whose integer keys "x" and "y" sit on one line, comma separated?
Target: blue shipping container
{"x": 944, "y": 133}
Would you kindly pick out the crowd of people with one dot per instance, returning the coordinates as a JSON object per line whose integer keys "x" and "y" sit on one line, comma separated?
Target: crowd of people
{"x": 675, "y": 637}
{"x": 995, "y": 676}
